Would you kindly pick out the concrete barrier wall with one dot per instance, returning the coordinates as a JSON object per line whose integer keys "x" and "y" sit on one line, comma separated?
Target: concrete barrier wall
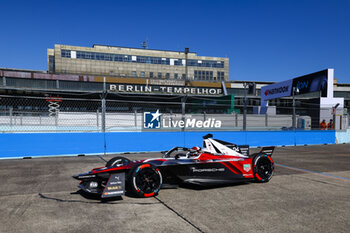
{"x": 343, "y": 136}
{"x": 48, "y": 144}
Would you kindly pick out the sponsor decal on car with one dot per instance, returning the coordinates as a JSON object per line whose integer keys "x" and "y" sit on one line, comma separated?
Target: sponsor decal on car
{"x": 115, "y": 185}
{"x": 247, "y": 167}
{"x": 86, "y": 176}
{"x": 114, "y": 188}
{"x": 208, "y": 170}
{"x": 113, "y": 193}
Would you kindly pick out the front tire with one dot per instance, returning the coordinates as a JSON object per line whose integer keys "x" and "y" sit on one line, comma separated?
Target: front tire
{"x": 263, "y": 168}
{"x": 145, "y": 180}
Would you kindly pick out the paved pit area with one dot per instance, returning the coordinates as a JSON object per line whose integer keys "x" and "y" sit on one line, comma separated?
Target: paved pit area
{"x": 310, "y": 192}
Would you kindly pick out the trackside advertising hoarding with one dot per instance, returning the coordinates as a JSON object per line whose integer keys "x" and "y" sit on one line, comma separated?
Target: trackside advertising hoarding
{"x": 276, "y": 90}
{"x": 312, "y": 82}
{"x": 317, "y": 81}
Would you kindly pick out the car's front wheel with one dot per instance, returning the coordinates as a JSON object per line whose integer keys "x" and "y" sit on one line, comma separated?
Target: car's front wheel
{"x": 145, "y": 180}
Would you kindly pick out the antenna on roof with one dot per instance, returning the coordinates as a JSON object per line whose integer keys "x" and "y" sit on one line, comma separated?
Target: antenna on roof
{"x": 144, "y": 44}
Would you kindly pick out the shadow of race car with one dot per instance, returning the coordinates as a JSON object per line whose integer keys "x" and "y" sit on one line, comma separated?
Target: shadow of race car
{"x": 217, "y": 163}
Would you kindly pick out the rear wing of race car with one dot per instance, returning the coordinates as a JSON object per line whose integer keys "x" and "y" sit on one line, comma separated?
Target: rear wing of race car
{"x": 268, "y": 150}
{"x": 217, "y": 146}
{"x": 223, "y": 147}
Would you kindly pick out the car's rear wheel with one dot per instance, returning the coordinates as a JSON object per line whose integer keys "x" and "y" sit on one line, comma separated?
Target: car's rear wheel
{"x": 263, "y": 167}
{"x": 145, "y": 180}
{"x": 116, "y": 161}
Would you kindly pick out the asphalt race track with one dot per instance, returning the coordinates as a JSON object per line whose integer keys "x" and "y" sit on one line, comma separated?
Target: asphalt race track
{"x": 310, "y": 192}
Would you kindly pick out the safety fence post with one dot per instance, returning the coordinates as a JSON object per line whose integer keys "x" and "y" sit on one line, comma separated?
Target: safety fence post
{"x": 97, "y": 118}
{"x": 245, "y": 107}
{"x": 236, "y": 119}
{"x": 103, "y": 103}
{"x": 11, "y": 116}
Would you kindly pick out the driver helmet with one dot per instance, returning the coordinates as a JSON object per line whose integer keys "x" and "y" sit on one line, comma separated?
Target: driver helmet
{"x": 196, "y": 148}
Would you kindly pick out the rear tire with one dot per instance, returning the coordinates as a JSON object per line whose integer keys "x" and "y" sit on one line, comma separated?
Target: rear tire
{"x": 145, "y": 180}
{"x": 116, "y": 161}
{"x": 263, "y": 168}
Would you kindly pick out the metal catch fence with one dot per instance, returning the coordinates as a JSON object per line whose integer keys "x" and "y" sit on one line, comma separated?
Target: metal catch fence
{"x": 96, "y": 114}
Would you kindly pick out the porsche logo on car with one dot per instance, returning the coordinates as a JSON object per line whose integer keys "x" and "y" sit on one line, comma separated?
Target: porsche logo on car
{"x": 208, "y": 169}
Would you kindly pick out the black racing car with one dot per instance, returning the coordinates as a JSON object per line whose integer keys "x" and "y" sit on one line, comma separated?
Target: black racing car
{"x": 219, "y": 162}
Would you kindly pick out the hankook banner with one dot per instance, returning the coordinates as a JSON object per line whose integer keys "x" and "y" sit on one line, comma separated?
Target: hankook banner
{"x": 305, "y": 84}
{"x": 276, "y": 90}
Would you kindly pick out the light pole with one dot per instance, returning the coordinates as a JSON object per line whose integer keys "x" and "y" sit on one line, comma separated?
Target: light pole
{"x": 293, "y": 119}
{"x": 184, "y": 98}
{"x": 103, "y": 97}
{"x": 295, "y": 90}
{"x": 245, "y": 107}
{"x": 186, "y": 72}
{"x": 334, "y": 114}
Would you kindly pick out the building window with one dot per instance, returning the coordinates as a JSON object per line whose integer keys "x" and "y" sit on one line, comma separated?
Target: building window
{"x": 142, "y": 74}
{"x": 159, "y": 74}
{"x": 51, "y": 64}
{"x": 196, "y": 75}
{"x": 220, "y": 76}
{"x": 151, "y": 74}
{"x": 183, "y": 76}
{"x": 141, "y": 59}
{"x": 203, "y": 75}
{"x": 134, "y": 74}
{"x": 176, "y": 76}
{"x": 65, "y": 53}
{"x": 167, "y": 75}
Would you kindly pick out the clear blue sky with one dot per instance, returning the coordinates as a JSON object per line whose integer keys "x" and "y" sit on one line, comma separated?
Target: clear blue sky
{"x": 264, "y": 40}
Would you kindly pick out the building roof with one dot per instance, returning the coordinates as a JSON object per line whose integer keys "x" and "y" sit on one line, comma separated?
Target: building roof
{"x": 93, "y": 46}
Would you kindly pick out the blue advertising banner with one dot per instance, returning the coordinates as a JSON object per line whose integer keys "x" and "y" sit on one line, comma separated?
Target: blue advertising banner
{"x": 311, "y": 83}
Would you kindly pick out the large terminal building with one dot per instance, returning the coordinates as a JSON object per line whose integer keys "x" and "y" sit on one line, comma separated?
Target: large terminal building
{"x": 143, "y": 79}
{"x": 132, "y": 62}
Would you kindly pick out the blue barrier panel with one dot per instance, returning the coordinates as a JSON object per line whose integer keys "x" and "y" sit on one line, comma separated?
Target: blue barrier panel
{"x": 45, "y": 144}
{"x": 315, "y": 137}
{"x": 143, "y": 141}
{"x": 270, "y": 138}
{"x": 196, "y": 138}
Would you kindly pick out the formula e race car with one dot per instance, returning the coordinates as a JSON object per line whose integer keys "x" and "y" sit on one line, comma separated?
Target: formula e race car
{"x": 217, "y": 163}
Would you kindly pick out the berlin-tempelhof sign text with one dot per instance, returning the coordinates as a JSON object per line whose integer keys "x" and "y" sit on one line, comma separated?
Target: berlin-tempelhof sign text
{"x": 164, "y": 89}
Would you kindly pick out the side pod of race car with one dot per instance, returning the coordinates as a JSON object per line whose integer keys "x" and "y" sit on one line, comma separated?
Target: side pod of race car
{"x": 218, "y": 162}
